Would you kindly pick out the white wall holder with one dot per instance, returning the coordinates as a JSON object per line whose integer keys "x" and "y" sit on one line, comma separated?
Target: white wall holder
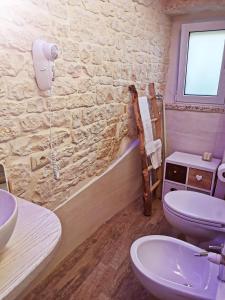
{"x": 44, "y": 54}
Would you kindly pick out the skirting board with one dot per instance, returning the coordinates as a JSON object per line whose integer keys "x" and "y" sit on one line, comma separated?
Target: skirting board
{"x": 94, "y": 204}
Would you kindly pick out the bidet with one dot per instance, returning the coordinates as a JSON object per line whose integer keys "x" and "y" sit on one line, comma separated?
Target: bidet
{"x": 168, "y": 269}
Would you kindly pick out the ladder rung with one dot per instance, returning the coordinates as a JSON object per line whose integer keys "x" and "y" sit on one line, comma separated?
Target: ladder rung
{"x": 150, "y": 168}
{"x": 154, "y": 119}
{"x": 155, "y": 185}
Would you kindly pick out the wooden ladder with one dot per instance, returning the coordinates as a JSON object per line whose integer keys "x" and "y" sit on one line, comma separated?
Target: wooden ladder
{"x": 152, "y": 179}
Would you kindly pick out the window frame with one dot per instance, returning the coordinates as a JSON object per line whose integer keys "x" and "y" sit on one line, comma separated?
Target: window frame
{"x": 186, "y": 29}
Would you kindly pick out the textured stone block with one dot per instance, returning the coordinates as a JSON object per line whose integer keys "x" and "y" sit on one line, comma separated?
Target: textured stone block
{"x": 36, "y": 105}
{"x": 9, "y": 130}
{"x": 20, "y": 177}
{"x": 39, "y": 160}
{"x": 4, "y": 151}
{"x": 33, "y": 122}
{"x": 79, "y": 135}
{"x": 77, "y": 116}
{"x": 12, "y": 63}
{"x": 12, "y": 108}
{"x": 64, "y": 86}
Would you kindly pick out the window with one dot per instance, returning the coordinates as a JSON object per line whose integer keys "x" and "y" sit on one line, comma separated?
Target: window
{"x": 201, "y": 76}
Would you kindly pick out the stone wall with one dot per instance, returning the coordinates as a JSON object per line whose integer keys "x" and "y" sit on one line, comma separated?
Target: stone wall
{"x": 104, "y": 47}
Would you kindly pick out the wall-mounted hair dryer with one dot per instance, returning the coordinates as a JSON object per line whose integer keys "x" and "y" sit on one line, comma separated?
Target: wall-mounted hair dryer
{"x": 44, "y": 55}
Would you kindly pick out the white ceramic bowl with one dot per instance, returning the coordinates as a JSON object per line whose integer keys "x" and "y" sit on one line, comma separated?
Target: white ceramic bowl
{"x": 8, "y": 216}
{"x": 168, "y": 268}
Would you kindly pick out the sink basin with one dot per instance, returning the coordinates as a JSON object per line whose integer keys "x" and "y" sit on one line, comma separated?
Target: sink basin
{"x": 8, "y": 216}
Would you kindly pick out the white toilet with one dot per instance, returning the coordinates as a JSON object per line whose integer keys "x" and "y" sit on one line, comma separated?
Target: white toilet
{"x": 168, "y": 269}
{"x": 200, "y": 217}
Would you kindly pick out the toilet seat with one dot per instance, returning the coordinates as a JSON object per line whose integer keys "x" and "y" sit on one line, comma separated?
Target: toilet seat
{"x": 196, "y": 207}
{"x": 209, "y": 225}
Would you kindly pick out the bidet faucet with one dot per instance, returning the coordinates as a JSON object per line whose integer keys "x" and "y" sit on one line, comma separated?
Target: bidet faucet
{"x": 215, "y": 258}
{"x": 220, "y": 260}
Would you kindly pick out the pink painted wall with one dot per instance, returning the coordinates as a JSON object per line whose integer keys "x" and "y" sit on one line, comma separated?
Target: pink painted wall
{"x": 189, "y": 131}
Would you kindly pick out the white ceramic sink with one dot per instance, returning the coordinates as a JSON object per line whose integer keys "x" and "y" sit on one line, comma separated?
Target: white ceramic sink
{"x": 168, "y": 268}
{"x": 8, "y": 216}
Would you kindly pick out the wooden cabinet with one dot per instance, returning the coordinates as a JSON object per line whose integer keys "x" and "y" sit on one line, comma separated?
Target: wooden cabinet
{"x": 184, "y": 171}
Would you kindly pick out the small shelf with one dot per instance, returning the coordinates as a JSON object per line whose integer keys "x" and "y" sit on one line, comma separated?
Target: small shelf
{"x": 189, "y": 186}
{"x": 177, "y": 183}
{"x": 36, "y": 235}
{"x": 186, "y": 168}
{"x": 193, "y": 161}
{"x": 197, "y": 188}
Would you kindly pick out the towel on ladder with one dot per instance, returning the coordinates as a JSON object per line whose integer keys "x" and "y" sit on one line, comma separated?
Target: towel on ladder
{"x": 153, "y": 148}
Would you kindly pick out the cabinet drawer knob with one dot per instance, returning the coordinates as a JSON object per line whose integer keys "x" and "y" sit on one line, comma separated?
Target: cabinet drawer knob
{"x": 199, "y": 177}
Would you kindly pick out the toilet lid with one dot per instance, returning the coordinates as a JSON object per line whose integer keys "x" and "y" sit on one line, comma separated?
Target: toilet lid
{"x": 197, "y": 206}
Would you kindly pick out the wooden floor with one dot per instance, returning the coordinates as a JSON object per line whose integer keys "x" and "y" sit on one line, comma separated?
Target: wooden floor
{"x": 100, "y": 267}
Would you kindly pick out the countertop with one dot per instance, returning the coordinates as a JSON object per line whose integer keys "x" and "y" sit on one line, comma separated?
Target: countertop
{"x": 194, "y": 161}
{"x": 36, "y": 235}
